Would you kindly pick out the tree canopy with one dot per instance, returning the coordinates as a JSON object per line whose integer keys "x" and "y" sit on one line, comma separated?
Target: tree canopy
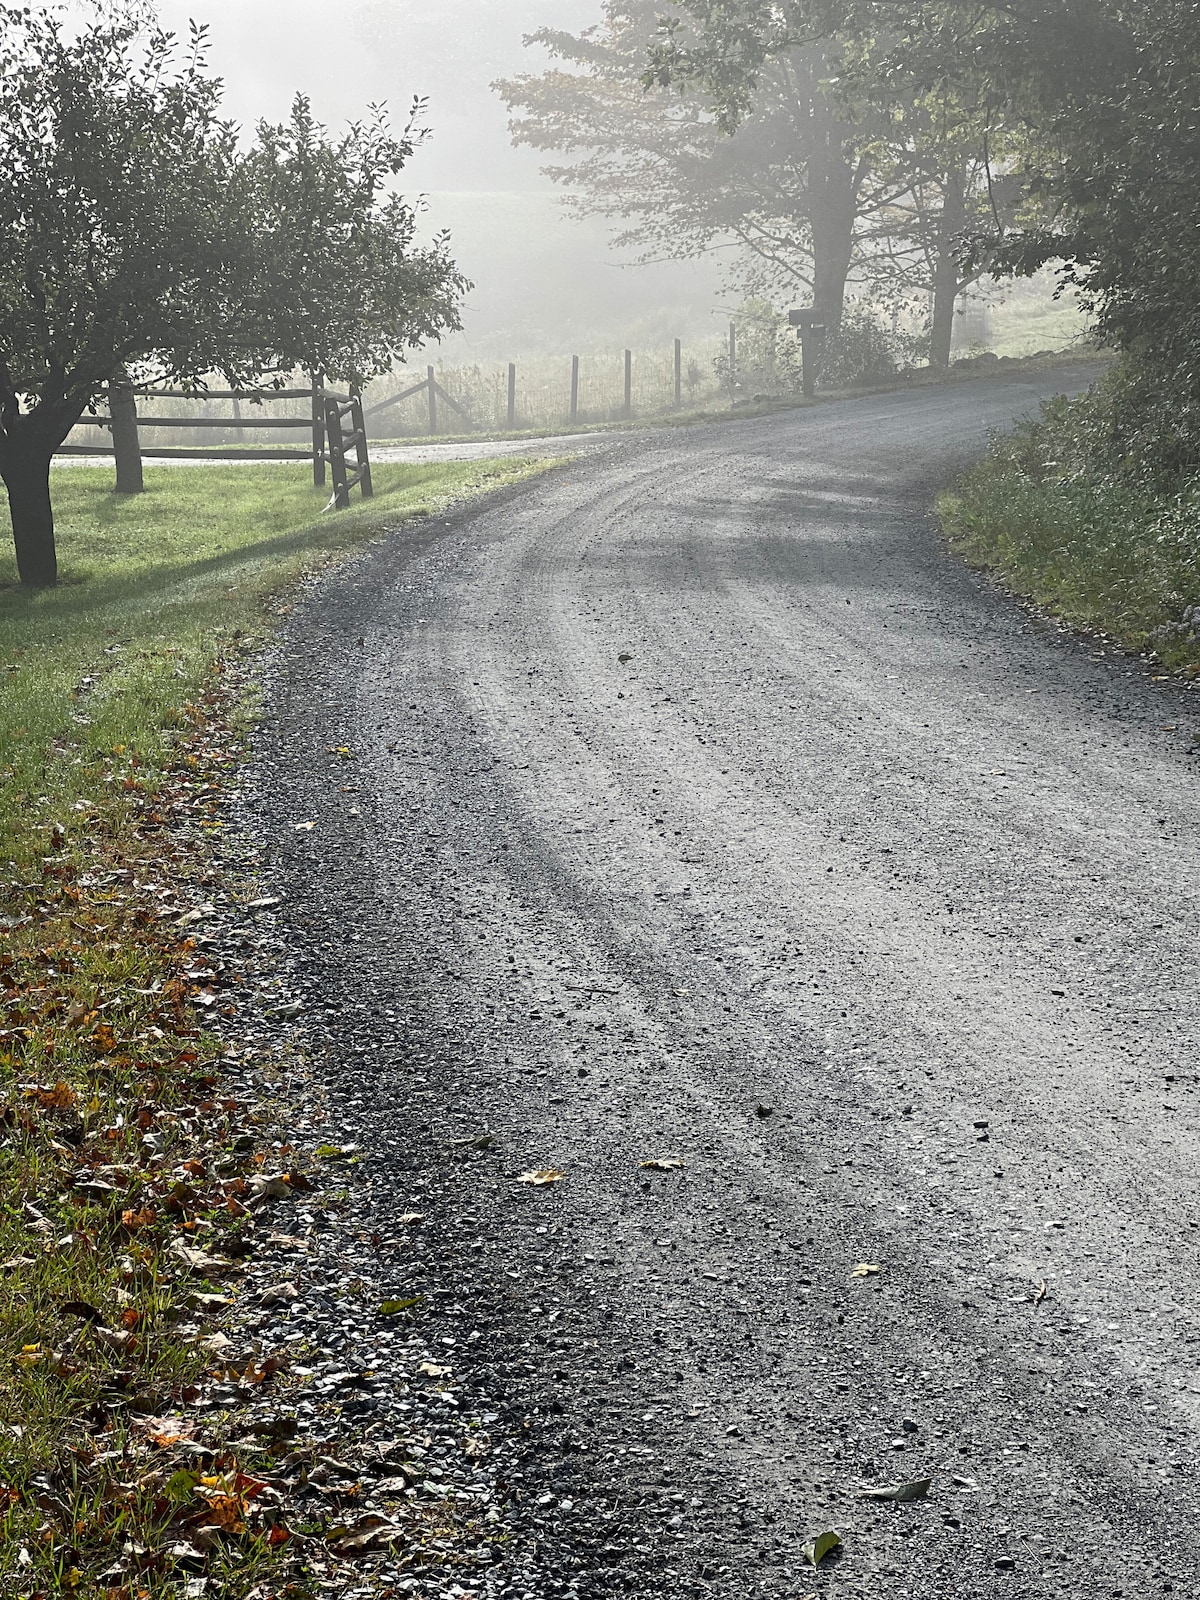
{"x": 819, "y": 172}
{"x": 138, "y": 230}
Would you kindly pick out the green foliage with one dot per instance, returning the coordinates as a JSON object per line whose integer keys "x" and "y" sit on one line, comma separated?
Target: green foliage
{"x": 115, "y": 239}
{"x": 830, "y": 166}
{"x": 136, "y": 232}
{"x": 864, "y": 351}
{"x": 336, "y": 282}
{"x": 1069, "y": 514}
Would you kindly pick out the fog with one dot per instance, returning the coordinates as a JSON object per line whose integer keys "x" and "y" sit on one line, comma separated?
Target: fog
{"x": 544, "y": 280}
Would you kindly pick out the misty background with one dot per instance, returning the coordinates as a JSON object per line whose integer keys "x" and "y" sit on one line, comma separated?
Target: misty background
{"x": 544, "y": 280}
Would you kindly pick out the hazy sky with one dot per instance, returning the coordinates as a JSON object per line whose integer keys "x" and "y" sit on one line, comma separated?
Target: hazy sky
{"x": 449, "y": 50}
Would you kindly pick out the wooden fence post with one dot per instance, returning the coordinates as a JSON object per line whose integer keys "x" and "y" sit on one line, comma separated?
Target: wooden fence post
{"x": 239, "y": 432}
{"x": 628, "y": 407}
{"x": 512, "y": 396}
{"x": 337, "y": 455}
{"x": 732, "y": 358}
{"x": 122, "y": 408}
{"x": 359, "y": 424}
{"x": 433, "y": 416}
{"x": 574, "y": 388}
{"x": 318, "y": 429}
{"x": 678, "y": 374}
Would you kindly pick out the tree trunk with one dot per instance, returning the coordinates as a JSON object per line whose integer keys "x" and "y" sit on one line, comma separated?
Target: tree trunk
{"x": 945, "y": 271}
{"x": 27, "y": 479}
{"x": 122, "y": 408}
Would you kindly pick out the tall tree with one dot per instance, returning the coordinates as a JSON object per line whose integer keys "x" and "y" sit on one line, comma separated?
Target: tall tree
{"x": 818, "y": 174}
{"x": 136, "y": 232}
{"x": 790, "y": 186}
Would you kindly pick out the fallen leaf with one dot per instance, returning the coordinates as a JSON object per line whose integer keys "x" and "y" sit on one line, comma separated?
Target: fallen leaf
{"x": 15, "y": 1263}
{"x": 278, "y": 1293}
{"x": 270, "y": 1188}
{"x": 165, "y": 1431}
{"x": 625, "y": 656}
{"x": 866, "y": 1269}
{"x": 542, "y": 1177}
{"x": 304, "y": 827}
{"x": 392, "y": 1308}
{"x": 335, "y": 1152}
{"x": 900, "y": 1493}
{"x": 818, "y": 1547}
{"x": 59, "y": 1097}
{"x": 369, "y": 1532}
{"x": 1040, "y": 1292}
{"x": 82, "y": 1308}
{"x": 662, "y": 1164}
{"x": 432, "y": 1370}
{"x": 411, "y": 1217}
{"x": 116, "y": 1338}
{"x": 199, "y": 1261}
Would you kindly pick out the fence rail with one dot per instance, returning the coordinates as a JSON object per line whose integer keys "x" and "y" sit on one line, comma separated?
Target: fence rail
{"x": 577, "y": 390}
{"x": 328, "y": 447}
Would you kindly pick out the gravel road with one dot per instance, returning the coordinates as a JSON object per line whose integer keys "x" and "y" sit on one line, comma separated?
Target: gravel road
{"x": 699, "y": 805}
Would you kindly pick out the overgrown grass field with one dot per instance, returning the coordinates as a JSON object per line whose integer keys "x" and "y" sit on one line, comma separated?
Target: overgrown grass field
{"x": 128, "y": 1175}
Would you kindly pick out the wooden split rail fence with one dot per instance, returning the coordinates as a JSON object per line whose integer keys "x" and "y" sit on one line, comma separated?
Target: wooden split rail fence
{"x": 332, "y": 445}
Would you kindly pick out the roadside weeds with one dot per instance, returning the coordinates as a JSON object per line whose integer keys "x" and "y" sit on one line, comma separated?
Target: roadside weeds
{"x": 153, "y": 1442}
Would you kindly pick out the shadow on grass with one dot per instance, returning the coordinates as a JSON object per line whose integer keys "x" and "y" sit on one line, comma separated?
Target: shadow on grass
{"x": 88, "y": 585}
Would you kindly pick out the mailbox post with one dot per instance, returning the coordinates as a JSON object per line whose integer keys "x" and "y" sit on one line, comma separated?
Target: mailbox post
{"x": 811, "y": 327}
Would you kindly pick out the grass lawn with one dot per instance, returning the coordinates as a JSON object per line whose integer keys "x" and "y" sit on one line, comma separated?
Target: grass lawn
{"x": 129, "y": 1177}
{"x": 154, "y": 588}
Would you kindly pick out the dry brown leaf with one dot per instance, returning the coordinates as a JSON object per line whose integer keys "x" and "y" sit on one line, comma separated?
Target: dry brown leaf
{"x": 866, "y": 1269}
{"x": 662, "y": 1164}
{"x": 542, "y": 1177}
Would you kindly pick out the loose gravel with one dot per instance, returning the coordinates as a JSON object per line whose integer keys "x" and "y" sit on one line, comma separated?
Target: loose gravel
{"x": 693, "y": 805}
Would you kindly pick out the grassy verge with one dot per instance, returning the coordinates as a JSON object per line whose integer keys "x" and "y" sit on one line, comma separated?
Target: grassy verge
{"x": 1113, "y": 553}
{"x": 130, "y": 1178}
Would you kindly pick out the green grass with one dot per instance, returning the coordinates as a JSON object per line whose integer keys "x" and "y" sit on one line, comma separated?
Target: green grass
{"x": 1108, "y": 552}
{"x": 120, "y": 721}
{"x": 154, "y": 588}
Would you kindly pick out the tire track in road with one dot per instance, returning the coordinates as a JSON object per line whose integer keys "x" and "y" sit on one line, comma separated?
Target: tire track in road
{"x": 831, "y": 855}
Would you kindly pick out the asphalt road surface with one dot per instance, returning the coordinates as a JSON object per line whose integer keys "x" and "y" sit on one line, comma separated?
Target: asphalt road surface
{"x": 702, "y": 807}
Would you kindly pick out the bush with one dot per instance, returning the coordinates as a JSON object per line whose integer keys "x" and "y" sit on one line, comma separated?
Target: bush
{"x": 1071, "y": 515}
{"x": 863, "y": 351}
